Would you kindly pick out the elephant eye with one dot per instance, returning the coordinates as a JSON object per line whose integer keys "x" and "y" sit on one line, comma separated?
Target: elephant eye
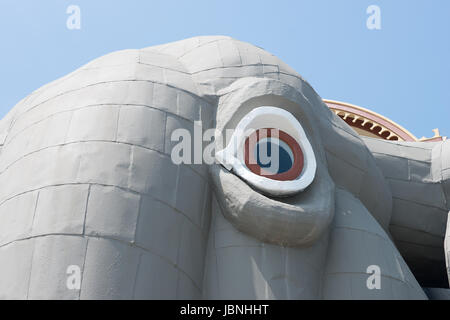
{"x": 273, "y": 153}
{"x": 270, "y": 151}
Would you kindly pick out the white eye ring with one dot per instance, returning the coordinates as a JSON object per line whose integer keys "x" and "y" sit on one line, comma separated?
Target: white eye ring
{"x": 232, "y": 156}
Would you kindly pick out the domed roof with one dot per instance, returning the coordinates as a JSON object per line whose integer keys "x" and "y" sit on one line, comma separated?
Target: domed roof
{"x": 371, "y": 124}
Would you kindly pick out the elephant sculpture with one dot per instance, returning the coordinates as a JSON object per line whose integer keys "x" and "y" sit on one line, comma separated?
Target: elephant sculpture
{"x": 92, "y": 205}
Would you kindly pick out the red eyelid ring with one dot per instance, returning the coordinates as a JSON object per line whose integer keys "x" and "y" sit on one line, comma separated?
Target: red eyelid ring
{"x": 251, "y": 163}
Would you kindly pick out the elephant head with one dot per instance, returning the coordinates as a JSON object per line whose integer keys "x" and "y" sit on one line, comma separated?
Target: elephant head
{"x": 92, "y": 204}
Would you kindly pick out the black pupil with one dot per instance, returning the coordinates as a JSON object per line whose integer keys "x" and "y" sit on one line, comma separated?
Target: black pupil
{"x": 264, "y": 157}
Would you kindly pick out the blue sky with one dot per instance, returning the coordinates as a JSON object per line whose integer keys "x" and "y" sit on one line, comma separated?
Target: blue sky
{"x": 401, "y": 71}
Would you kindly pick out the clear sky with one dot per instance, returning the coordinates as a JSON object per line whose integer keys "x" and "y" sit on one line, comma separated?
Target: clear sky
{"x": 401, "y": 71}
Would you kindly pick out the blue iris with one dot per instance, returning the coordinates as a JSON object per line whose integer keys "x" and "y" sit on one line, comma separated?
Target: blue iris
{"x": 265, "y": 159}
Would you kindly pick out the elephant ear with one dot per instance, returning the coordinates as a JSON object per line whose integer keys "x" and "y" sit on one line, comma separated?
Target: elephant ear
{"x": 443, "y": 157}
{"x": 418, "y": 174}
{"x": 443, "y": 161}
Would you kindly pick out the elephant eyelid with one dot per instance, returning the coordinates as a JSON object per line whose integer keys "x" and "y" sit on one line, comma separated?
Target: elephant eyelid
{"x": 270, "y": 151}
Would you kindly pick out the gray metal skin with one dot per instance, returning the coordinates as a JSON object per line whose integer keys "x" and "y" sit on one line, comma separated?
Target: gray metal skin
{"x": 87, "y": 181}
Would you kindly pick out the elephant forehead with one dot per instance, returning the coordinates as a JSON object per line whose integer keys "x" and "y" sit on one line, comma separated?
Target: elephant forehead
{"x": 216, "y": 62}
